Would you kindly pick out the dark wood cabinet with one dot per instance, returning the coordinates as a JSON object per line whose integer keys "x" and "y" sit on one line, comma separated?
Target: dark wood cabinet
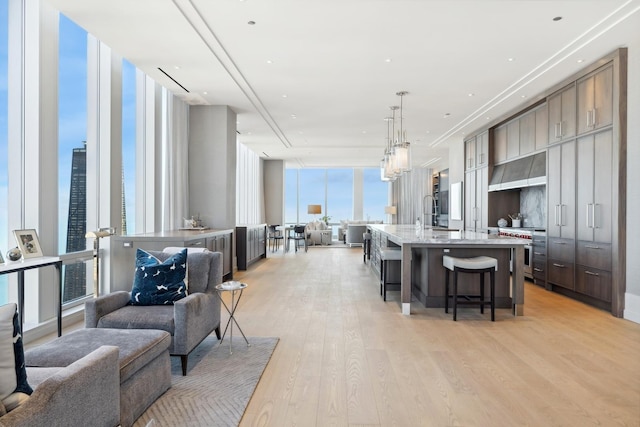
{"x": 251, "y": 244}
{"x": 223, "y": 243}
{"x": 562, "y": 114}
{"x": 561, "y": 190}
{"x": 539, "y": 269}
{"x": 595, "y": 100}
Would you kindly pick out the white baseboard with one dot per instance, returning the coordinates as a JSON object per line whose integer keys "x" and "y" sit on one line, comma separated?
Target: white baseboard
{"x": 632, "y": 307}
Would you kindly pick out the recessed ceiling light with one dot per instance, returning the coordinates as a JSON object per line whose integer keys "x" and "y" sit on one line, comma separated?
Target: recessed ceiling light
{"x": 511, "y": 59}
{"x": 177, "y": 67}
{"x": 557, "y": 18}
{"x": 580, "y": 61}
{"x": 251, "y": 22}
{"x": 205, "y": 93}
{"x": 293, "y": 116}
{"x": 364, "y": 131}
{"x": 472, "y": 94}
{"x": 387, "y": 60}
{"x": 269, "y": 61}
{"x": 488, "y": 118}
{"x": 284, "y": 95}
{"x": 523, "y": 96}
{"x": 446, "y": 115}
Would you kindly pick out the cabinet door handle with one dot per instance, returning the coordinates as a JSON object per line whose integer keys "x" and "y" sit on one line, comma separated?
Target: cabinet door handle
{"x": 539, "y": 270}
{"x": 591, "y": 273}
{"x": 593, "y": 214}
{"x": 560, "y": 243}
{"x": 555, "y": 212}
{"x": 592, "y": 247}
{"x": 588, "y": 215}
{"x": 593, "y": 117}
{"x": 538, "y": 253}
{"x": 561, "y": 215}
{"x": 556, "y": 129}
{"x": 561, "y": 128}
{"x": 559, "y": 265}
{"x": 482, "y": 158}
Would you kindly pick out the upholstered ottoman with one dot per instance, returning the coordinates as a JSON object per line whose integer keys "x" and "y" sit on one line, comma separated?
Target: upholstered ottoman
{"x": 145, "y": 369}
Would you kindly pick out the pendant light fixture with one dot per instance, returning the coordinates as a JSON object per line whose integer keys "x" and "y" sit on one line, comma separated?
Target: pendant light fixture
{"x": 388, "y": 161}
{"x": 401, "y": 147}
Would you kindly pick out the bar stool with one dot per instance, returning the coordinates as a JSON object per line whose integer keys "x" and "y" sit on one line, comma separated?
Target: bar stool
{"x": 479, "y": 265}
{"x": 366, "y": 246}
{"x": 386, "y": 255}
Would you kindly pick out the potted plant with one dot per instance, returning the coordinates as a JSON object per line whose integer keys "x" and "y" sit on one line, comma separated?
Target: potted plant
{"x": 326, "y": 219}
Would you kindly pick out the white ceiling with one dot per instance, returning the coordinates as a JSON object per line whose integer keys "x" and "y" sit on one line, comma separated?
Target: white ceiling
{"x": 311, "y": 82}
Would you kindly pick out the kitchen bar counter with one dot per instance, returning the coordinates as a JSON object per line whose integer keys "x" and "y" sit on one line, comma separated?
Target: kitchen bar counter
{"x": 421, "y": 250}
{"x": 124, "y": 250}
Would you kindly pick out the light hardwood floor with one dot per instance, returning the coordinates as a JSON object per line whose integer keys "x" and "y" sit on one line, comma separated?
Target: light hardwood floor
{"x": 347, "y": 358}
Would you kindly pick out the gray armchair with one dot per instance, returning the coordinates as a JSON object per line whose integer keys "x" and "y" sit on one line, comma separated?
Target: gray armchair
{"x": 189, "y": 321}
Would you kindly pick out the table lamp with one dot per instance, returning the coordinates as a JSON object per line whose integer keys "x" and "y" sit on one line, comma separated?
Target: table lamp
{"x": 314, "y": 210}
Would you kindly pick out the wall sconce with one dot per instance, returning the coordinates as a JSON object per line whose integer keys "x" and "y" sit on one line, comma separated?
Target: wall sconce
{"x": 97, "y": 235}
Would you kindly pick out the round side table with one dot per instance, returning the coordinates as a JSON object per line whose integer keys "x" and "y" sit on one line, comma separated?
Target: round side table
{"x": 234, "y": 288}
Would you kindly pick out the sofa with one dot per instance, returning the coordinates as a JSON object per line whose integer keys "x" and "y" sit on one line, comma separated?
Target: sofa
{"x": 318, "y": 233}
{"x": 86, "y": 392}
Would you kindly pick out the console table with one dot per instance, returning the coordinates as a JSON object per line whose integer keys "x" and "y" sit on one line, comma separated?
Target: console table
{"x": 20, "y": 267}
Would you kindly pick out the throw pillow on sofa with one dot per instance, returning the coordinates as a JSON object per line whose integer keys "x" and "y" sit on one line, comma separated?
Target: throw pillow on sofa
{"x": 14, "y": 388}
{"x": 158, "y": 283}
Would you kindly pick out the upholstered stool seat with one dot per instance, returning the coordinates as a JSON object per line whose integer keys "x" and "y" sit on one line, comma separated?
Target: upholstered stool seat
{"x": 387, "y": 255}
{"x": 366, "y": 247}
{"x": 479, "y": 265}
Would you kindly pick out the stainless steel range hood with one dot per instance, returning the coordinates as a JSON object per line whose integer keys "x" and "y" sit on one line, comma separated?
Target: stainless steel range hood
{"x": 525, "y": 172}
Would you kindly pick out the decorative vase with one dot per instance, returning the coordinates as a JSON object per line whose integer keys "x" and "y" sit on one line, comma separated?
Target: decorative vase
{"x": 14, "y": 254}
{"x": 502, "y": 222}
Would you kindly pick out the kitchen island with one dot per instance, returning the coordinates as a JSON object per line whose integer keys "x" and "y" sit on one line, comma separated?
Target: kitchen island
{"x": 422, "y": 273}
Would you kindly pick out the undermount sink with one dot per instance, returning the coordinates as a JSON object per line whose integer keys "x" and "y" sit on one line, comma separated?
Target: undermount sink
{"x": 441, "y": 229}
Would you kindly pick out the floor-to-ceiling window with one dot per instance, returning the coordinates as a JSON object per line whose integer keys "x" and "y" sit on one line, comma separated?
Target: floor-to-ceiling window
{"x": 312, "y": 187}
{"x": 375, "y": 194}
{"x": 4, "y": 243}
{"x": 339, "y": 195}
{"x": 128, "y": 225}
{"x": 334, "y": 190}
{"x": 72, "y": 155}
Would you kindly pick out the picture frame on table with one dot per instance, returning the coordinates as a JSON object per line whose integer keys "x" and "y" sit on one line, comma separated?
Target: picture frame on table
{"x": 28, "y": 243}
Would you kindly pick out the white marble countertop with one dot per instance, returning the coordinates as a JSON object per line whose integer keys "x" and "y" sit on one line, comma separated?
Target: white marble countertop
{"x": 175, "y": 235}
{"x": 407, "y": 234}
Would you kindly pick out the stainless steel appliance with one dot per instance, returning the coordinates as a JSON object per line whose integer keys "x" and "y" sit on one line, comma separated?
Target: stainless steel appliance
{"x": 521, "y": 233}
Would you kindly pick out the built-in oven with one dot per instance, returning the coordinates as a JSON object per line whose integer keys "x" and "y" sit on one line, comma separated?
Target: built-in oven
{"x": 528, "y": 250}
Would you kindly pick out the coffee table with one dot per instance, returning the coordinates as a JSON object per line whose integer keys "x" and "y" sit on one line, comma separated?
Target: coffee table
{"x": 235, "y": 288}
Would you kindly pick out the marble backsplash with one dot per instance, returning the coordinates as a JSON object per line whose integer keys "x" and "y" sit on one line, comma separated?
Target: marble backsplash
{"x": 533, "y": 203}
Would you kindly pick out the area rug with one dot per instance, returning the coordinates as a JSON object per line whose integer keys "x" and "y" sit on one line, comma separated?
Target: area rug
{"x": 218, "y": 385}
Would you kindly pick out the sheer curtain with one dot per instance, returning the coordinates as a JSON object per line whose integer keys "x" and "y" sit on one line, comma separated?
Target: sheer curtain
{"x": 175, "y": 157}
{"x": 249, "y": 187}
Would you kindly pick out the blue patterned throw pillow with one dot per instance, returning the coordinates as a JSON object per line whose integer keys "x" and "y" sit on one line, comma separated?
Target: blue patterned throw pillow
{"x": 14, "y": 388}
{"x": 156, "y": 282}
